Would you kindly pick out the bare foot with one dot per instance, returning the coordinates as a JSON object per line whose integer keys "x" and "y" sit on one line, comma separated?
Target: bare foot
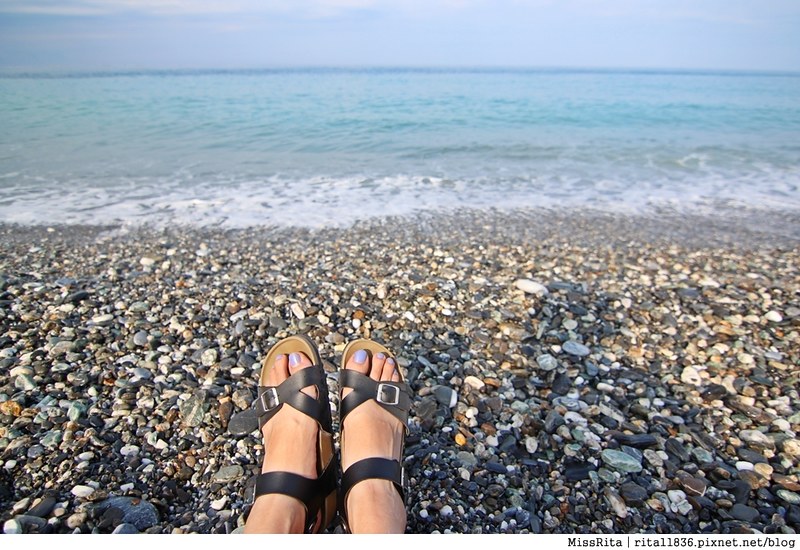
{"x": 374, "y": 505}
{"x": 290, "y": 444}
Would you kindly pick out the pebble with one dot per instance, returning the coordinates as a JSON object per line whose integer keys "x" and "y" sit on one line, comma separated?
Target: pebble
{"x": 744, "y": 513}
{"x": 528, "y": 444}
{"x": 135, "y": 511}
{"x": 622, "y": 462}
{"x": 576, "y": 349}
{"x": 774, "y": 316}
{"x": 82, "y": 491}
{"x": 531, "y": 287}
{"x": 228, "y": 473}
{"x": 547, "y": 362}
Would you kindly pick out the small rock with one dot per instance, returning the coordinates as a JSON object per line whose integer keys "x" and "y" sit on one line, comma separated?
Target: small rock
{"x": 531, "y": 287}
{"x": 576, "y": 349}
{"x": 102, "y": 320}
{"x": 474, "y": 382}
{"x": 622, "y": 462}
{"x": 615, "y": 501}
{"x": 446, "y": 396}
{"x": 773, "y": 316}
{"x": 228, "y": 473}
{"x": 209, "y": 358}
{"x": 547, "y": 362}
{"x": 12, "y": 527}
{"x": 691, "y": 376}
{"x": 82, "y": 491}
{"x": 744, "y": 513}
{"x": 138, "y": 512}
{"x": 193, "y": 409}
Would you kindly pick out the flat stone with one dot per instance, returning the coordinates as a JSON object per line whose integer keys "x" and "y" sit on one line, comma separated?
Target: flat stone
{"x": 193, "y": 409}
{"x": 773, "y": 316}
{"x": 139, "y": 513}
{"x": 633, "y": 494}
{"x": 140, "y": 338}
{"x": 622, "y": 462}
{"x": 574, "y": 348}
{"x": 691, "y": 376}
{"x": 76, "y": 410}
{"x": 693, "y": 486}
{"x": 102, "y": 320}
{"x": 474, "y": 382}
{"x": 744, "y": 513}
{"x": 228, "y": 473}
{"x": 82, "y": 491}
{"x": 531, "y": 287}
{"x": 468, "y": 460}
{"x": 43, "y": 507}
{"x": 552, "y": 421}
{"x": 446, "y": 396}
{"x": 788, "y": 496}
{"x": 547, "y": 362}
{"x": 616, "y": 502}
{"x": 756, "y": 440}
{"x": 791, "y": 447}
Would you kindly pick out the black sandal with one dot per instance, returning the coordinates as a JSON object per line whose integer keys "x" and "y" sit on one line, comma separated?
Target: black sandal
{"x": 317, "y": 495}
{"x": 391, "y": 396}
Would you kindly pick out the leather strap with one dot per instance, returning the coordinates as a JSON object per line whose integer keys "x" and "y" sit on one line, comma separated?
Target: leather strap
{"x": 272, "y": 398}
{"x": 311, "y": 492}
{"x": 393, "y": 397}
{"x": 370, "y": 468}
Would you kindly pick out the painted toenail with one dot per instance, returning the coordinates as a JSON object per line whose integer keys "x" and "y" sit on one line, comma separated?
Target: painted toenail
{"x": 381, "y": 355}
{"x": 360, "y": 356}
{"x": 280, "y": 357}
{"x": 294, "y": 359}
{"x": 391, "y": 361}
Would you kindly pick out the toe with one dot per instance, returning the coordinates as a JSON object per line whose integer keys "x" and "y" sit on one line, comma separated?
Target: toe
{"x": 279, "y": 371}
{"x": 378, "y": 364}
{"x": 359, "y": 361}
{"x": 395, "y": 371}
{"x": 298, "y": 361}
{"x": 388, "y": 369}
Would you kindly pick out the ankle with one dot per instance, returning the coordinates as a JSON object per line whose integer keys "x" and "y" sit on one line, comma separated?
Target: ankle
{"x": 375, "y": 506}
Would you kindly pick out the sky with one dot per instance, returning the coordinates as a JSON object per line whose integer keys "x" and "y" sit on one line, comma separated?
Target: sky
{"x": 232, "y": 34}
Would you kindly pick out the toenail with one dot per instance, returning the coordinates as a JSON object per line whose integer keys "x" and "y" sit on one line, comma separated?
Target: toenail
{"x": 391, "y": 361}
{"x": 294, "y": 359}
{"x": 381, "y": 355}
{"x": 280, "y": 357}
{"x": 360, "y": 356}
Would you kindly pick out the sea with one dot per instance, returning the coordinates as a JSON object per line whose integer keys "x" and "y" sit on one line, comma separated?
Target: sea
{"x": 321, "y": 147}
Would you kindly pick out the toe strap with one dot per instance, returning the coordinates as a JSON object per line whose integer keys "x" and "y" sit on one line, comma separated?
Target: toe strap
{"x": 272, "y": 398}
{"x": 392, "y": 396}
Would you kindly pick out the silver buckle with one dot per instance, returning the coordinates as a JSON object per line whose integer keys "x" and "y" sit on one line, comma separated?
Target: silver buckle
{"x": 388, "y": 395}
{"x": 269, "y": 399}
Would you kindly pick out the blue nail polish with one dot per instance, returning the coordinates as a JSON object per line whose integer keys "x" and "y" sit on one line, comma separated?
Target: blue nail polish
{"x": 360, "y": 356}
{"x": 279, "y": 358}
{"x": 294, "y": 359}
{"x": 381, "y": 355}
{"x": 391, "y": 361}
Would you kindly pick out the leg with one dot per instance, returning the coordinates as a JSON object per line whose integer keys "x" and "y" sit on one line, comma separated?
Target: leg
{"x": 290, "y": 441}
{"x": 374, "y": 505}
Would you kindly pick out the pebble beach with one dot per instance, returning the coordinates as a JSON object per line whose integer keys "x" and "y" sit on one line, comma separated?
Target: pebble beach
{"x": 573, "y": 371}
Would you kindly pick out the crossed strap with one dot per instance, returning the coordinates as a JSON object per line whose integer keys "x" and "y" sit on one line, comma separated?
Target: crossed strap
{"x": 272, "y": 398}
{"x": 392, "y": 396}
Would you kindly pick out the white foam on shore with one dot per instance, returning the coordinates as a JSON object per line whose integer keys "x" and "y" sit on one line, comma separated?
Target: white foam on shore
{"x": 325, "y": 202}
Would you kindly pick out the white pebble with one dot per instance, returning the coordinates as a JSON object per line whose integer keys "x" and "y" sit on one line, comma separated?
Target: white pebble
{"x": 531, "y": 287}
{"x": 773, "y": 316}
{"x": 82, "y": 491}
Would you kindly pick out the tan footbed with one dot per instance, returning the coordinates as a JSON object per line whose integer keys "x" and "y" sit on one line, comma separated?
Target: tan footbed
{"x": 325, "y": 449}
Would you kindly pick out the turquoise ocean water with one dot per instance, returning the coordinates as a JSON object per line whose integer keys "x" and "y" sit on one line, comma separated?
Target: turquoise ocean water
{"x": 321, "y": 146}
